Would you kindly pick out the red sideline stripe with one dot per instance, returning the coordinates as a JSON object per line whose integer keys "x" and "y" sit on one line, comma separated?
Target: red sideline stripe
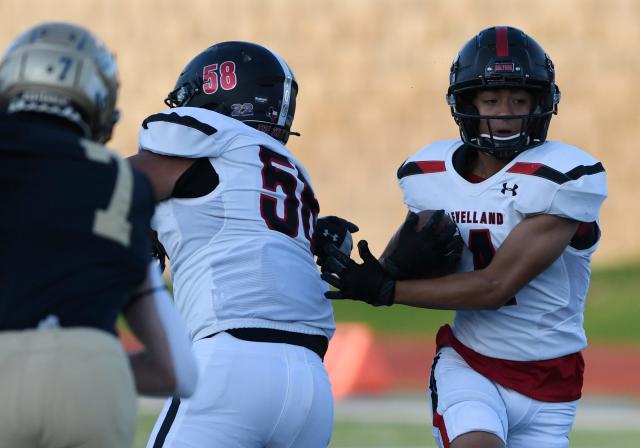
{"x": 502, "y": 41}
{"x": 525, "y": 168}
{"x": 431, "y": 166}
{"x": 438, "y": 422}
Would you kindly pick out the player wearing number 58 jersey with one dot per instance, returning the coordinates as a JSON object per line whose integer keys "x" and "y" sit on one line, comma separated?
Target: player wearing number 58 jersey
{"x": 508, "y": 372}
{"x": 240, "y": 252}
{"x": 236, "y": 222}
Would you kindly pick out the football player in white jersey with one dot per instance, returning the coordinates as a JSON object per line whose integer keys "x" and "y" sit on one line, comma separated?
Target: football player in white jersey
{"x": 236, "y": 221}
{"x": 508, "y": 372}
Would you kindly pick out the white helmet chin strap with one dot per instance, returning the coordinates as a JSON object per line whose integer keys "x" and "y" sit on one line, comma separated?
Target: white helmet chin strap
{"x": 503, "y": 147}
{"x": 502, "y": 139}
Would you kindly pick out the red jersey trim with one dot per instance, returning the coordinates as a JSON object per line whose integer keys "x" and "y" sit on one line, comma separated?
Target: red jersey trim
{"x": 432, "y": 166}
{"x": 525, "y": 168}
{"x": 553, "y": 380}
{"x": 541, "y": 170}
{"x": 474, "y": 178}
{"x": 421, "y": 167}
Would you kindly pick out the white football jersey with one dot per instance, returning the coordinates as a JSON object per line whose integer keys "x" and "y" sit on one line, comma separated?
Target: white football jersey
{"x": 545, "y": 318}
{"x": 240, "y": 255}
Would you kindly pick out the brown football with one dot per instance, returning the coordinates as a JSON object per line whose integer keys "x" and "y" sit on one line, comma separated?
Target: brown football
{"x": 423, "y": 218}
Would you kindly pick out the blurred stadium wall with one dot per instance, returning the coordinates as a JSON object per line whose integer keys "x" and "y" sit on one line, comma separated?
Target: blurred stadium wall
{"x": 372, "y": 77}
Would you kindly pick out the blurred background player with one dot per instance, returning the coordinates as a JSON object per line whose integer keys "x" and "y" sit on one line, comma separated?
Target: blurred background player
{"x": 74, "y": 253}
{"x": 509, "y": 371}
{"x": 236, "y": 221}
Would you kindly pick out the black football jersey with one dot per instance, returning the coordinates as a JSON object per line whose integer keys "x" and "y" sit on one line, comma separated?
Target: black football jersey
{"x": 74, "y": 228}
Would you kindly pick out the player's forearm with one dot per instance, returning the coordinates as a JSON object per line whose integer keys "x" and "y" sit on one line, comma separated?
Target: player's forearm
{"x": 151, "y": 377}
{"x": 530, "y": 249}
{"x": 168, "y": 352}
{"x": 465, "y": 290}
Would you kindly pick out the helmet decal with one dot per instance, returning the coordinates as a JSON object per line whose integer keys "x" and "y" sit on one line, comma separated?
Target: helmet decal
{"x": 212, "y": 80}
{"x": 228, "y": 78}
{"x": 242, "y": 110}
{"x": 503, "y": 67}
{"x": 242, "y": 80}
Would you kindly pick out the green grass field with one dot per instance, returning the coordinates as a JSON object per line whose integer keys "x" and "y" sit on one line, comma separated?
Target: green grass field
{"x": 367, "y": 435}
{"x": 611, "y": 311}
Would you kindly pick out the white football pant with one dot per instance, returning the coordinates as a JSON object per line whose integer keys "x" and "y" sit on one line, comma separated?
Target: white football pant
{"x": 467, "y": 401}
{"x": 250, "y": 395}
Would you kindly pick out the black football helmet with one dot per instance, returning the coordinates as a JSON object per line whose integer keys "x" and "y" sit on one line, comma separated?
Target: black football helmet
{"x": 241, "y": 80}
{"x": 503, "y": 57}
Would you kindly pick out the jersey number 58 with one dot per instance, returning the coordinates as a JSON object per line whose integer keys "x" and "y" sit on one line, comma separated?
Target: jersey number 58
{"x": 278, "y": 171}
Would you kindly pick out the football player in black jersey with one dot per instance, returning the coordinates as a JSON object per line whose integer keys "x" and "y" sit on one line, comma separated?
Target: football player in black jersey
{"x": 74, "y": 254}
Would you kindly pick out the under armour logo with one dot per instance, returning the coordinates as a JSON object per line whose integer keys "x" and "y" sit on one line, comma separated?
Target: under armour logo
{"x": 513, "y": 189}
{"x": 334, "y": 236}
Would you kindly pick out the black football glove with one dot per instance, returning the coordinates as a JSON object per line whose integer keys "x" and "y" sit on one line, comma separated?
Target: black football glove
{"x": 367, "y": 282}
{"x": 332, "y": 230}
{"x": 427, "y": 252}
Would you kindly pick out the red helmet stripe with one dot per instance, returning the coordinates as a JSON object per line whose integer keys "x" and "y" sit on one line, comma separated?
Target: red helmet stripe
{"x": 502, "y": 41}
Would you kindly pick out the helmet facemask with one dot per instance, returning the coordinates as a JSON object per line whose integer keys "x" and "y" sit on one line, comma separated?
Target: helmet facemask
{"x": 531, "y": 132}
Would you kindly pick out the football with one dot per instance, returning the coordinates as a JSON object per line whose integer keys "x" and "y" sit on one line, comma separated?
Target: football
{"x": 448, "y": 262}
{"x": 423, "y": 218}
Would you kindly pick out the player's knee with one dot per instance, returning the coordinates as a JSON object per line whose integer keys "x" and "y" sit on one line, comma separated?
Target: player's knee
{"x": 470, "y": 423}
{"x": 477, "y": 439}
